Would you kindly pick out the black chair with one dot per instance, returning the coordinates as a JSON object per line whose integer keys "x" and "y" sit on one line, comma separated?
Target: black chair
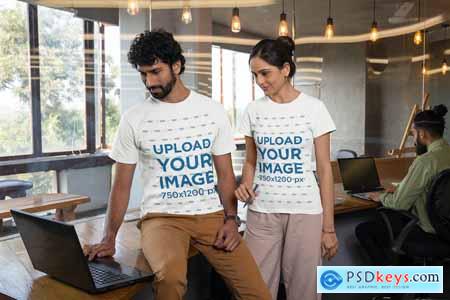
{"x": 14, "y": 188}
{"x": 423, "y": 248}
{"x": 438, "y": 207}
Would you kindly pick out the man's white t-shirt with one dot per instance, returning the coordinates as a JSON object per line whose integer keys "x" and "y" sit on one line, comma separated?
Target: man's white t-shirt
{"x": 284, "y": 137}
{"x": 173, "y": 144}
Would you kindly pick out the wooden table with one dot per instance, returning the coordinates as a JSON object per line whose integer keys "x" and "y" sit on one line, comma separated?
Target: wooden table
{"x": 64, "y": 204}
{"x": 19, "y": 280}
{"x": 351, "y": 204}
{"x": 389, "y": 170}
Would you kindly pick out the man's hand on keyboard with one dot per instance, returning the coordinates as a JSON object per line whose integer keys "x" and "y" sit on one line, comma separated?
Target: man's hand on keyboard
{"x": 374, "y": 196}
{"x": 104, "y": 249}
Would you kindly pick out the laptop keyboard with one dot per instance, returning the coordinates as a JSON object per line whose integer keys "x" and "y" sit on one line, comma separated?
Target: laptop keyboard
{"x": 102, "y": 276}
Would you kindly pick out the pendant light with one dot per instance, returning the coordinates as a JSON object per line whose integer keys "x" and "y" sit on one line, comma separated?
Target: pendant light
{"x": 444, "y": 67}
{"x": 186, "y": 15}
{"x": 235, "y": 21}
{"x": 283, "y": 27}
{"x": 418, "y": 35}
{"x": 374, "y": 28}
{"x": 329, "y": 28}
{"x": 133, "y": 7}
{"x": 424, "y": 62}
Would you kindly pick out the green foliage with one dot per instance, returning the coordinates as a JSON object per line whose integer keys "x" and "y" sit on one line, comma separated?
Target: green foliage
{"x": 62, "y": 83}
{"x": 62, "y": 86}
{"x": 14, "y": 52}
{"x": 15, "y": 134}
{"x": 112, "y": 113}
{"x": 112, "y": 120}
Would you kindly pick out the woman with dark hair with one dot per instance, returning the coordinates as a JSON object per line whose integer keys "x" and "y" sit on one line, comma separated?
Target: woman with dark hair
{"x": 290, "y": 221}
{"x": 433, "y": 157}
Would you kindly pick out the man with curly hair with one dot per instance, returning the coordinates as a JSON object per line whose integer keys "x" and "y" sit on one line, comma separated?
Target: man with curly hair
{"x": 176, "y": 136}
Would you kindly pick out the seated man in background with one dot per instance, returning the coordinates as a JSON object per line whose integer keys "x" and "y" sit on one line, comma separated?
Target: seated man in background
{"x": 411, "y": 194}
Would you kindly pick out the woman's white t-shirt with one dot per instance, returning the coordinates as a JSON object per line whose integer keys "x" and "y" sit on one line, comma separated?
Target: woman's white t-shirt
{"x": 284, "y": 137}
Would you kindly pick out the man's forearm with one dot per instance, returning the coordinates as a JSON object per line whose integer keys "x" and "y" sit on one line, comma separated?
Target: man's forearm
{"x": 117, "y": 207}
{"x": 226, "y": 186}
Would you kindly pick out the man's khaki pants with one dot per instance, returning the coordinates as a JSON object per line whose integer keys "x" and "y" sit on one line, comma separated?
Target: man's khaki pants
{"x": 166, "y": 241}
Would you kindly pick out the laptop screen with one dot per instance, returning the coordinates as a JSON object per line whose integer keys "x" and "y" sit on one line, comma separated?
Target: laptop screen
{"x": 359, "y": 174}
{"x": 54, "y": 248}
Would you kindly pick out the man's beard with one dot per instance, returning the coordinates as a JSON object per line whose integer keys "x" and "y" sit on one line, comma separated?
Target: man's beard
{"x": 160, "y": 92}
{"x": 421, "y": 148}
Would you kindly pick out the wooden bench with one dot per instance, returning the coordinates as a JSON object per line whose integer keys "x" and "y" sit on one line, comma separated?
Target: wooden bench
{"x": 64, "y": 204}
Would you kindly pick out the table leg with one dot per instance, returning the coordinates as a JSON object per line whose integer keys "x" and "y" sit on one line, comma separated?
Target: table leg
{"x": 65, "y": 214}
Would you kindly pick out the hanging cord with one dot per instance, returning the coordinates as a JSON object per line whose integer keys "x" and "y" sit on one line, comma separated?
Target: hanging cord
{"x": 418, "y": 11}
{"x": 374, "y": 10}
{"x": 329, "y": 8}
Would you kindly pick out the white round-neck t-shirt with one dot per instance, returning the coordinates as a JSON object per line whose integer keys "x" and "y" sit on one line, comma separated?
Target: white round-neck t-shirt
{"x": 173, "y": 144}
{"x": 284, "y": 137}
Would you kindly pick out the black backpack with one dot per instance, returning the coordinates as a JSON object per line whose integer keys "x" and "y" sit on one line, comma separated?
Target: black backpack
{"x": 438, "y": 204}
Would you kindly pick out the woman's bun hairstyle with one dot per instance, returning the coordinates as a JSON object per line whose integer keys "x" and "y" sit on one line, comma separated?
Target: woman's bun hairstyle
{"x": 288, "y": 43}
{"x": 276, "y": 52}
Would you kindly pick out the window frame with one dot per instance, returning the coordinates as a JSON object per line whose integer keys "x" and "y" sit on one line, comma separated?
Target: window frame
{"x": 35, "y": 90}
{"x": 239, "y": 140}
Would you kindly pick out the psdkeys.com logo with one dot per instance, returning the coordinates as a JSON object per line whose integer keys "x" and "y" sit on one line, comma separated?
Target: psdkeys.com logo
{"x": 330, "y": 280}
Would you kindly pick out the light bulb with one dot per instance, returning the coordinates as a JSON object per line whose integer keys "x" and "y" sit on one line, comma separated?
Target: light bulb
{"x": 424, "y": 70}
{"x": 283, "y": 27}
{"x": 444, "y": 67}
{"x": 418, "y": 37}
{"x": 235, "y": 21}
{"x": 186, "y": 15}
{"x": 374, "y": 32}
{"x": 133, "y": 7}
{"x": 329, "y": 29}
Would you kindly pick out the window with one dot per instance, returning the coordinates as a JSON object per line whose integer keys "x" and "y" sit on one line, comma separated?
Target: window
{"x": 233, "y": 84}
{"x": 48, "y": 88}
{"x": 112, "y": 82}
{"x": 107, "y": 78}
{"x": 99, "y": 80}
{"x": 62, "y": 85}
{"x": 15, "y": 97}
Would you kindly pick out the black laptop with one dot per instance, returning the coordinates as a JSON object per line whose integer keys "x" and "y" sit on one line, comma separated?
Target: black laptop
{"x": 54, "y": 249}
{"x": 359, "y": 176}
